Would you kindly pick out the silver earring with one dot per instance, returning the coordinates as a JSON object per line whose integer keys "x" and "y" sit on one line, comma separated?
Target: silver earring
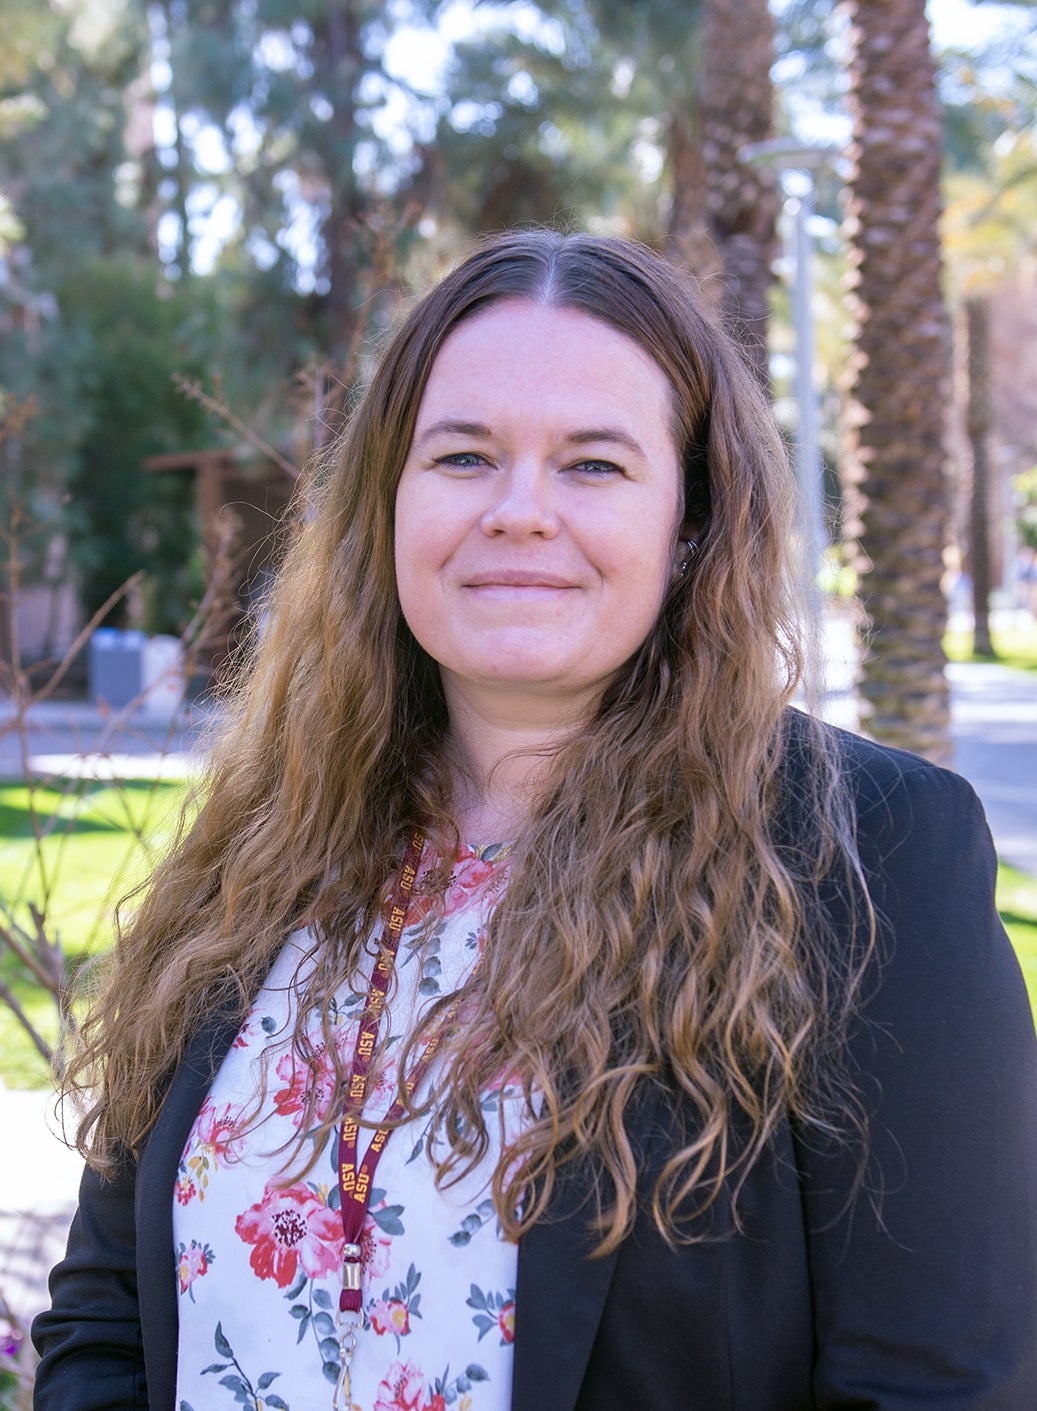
{"x": 691, "y": 549}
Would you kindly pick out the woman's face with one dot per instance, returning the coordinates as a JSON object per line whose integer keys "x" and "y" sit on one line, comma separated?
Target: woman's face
{"x": 537, "y": 515}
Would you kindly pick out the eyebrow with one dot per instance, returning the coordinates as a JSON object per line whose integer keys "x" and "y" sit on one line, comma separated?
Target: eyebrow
{"x": 610, "y": 435}
{"x": 455, "y": 428}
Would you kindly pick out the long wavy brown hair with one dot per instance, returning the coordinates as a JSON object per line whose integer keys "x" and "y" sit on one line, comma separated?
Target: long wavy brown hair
{"x": 657, "y": 928}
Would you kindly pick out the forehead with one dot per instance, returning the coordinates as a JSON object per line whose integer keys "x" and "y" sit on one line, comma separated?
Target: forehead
{"x": 519, "y": 348}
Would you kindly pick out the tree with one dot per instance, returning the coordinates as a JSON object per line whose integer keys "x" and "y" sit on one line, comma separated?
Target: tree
{"x": 737, "y": 108}
{"x": 133, "y": 338}
{"x": 568, "y": 117}
{"x": 989, "y": 246}
{"x": 62, "y": 84}
{"x": 899, "y": 375}
{"x": 578, "y": 118}
{"x": 290, "y": 98}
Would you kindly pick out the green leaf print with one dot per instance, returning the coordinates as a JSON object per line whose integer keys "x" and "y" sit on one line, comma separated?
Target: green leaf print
{"x": 245, "y": 1394}
{"x": 472, "y": 1224}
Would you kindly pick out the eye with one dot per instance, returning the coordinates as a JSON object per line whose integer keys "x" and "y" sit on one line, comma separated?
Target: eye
{"x": 462, "y": 460}
{"x": 597, "y": 470}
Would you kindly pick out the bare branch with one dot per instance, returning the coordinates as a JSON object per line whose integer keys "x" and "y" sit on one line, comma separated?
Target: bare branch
{"x": 38, "y": 953}
{"x": 194, "y": 390}
{"x": 7, "y": 997}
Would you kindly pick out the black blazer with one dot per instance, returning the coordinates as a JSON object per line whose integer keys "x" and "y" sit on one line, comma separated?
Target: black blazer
{"x": 920, "y": 1289}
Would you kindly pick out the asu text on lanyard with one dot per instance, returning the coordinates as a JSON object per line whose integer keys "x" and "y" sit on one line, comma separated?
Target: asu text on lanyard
{"x": 355, "y": 1177}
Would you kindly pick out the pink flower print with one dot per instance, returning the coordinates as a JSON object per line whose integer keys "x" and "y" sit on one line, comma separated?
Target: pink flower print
{"x": 438, "y": 1403}
{"x": 289, "y": 1227}
{"x": 469, "y": 876}
{"x": 217, "y": 1133}
{"x": 300, "y": 1077}
{"x": 401, "y": 1389}
{"x": 246, "y": 1033}
{"x": 389, "y": 1316}
{"x": 374, "y": 1249}
{"x": 185, "y": 1188}
{"x": 508, "y": 1082}
{"x": 192, "y": 1262}
{"x": 506, "y": 1322}
{"x": 418, "y": 907}
{"x": 382, "y": 1085}
{"x": 494, "y": 1311}
{"x": 213, "y": 1143}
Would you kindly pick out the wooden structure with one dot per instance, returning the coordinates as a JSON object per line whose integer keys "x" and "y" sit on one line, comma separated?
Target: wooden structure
{"x": 257, "y": 495}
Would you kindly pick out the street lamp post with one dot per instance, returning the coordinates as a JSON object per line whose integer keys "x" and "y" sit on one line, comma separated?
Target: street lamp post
{"x": 797, "y": 162}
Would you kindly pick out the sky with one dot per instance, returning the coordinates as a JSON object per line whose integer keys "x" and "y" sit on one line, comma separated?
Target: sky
{"x": 957, "y": 23}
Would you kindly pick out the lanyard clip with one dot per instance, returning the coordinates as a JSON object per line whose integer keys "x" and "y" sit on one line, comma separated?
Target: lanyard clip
{"x": 347, "y": 1328}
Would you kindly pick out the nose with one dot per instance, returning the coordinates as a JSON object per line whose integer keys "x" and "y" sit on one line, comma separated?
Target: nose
{"x": 523, "y": 503}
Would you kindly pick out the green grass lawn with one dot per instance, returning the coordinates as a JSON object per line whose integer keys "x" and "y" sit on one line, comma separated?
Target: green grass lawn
{"x": 94, "y": 850}
{"x": 97, "y": 841}
{"x": 1015, "y": 646}
{"x": 1017, "y": 902}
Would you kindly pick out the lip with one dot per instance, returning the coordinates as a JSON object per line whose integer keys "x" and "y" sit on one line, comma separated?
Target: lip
{"x": 516, "y": 578}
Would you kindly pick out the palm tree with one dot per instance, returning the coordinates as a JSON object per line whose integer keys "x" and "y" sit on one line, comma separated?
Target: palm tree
{"x": 897, "y": 490}
{"x": 737, "y": 102}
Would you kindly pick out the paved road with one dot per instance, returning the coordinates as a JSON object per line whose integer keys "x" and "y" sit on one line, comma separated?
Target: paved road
{"x": 71, "y": 738}
{"x": 995, "y": 739}
{"x": 995, "y": 732}
{"x": 994, "y": 727}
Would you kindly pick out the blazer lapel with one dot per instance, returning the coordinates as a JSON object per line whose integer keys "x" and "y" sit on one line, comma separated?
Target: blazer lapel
{"x": 559, "y": 1299}
{"x": 156, "y": 1266}
{"x": 561, "y": 1289}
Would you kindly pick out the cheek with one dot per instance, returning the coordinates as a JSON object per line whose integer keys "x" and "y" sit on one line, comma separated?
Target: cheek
{"x": 646, "y": 557}
{"x": 427, "y": 524}
{"x": 408, "y": 572}
{"x": 420, "y": 550}
{"x": 414, "y": 599}
{"x": 406, "y": 553}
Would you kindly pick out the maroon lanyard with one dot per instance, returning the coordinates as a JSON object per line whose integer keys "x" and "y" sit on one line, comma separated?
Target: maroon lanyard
{"x": 355, "y": 1179}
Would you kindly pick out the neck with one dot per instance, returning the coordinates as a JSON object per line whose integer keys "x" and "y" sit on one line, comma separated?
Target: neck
{"x": 502, "y": 755}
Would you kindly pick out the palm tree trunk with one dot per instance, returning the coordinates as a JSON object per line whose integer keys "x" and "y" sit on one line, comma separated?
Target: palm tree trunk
{"x": 741, "y": 200}
{"x": 724, "y": 212}
{"x": 688, "y": 237}
{"x": 895, "y": 462}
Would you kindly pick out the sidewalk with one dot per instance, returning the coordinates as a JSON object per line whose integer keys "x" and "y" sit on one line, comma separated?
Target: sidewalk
{"x": 995, "y": 731}
{"x": 38, "y": 1184}
{"x": 74, "y": 739}
{"x": 994, "y": 724}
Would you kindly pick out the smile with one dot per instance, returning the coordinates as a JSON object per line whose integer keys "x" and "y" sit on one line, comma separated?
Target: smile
{"x": 516, "y": 579}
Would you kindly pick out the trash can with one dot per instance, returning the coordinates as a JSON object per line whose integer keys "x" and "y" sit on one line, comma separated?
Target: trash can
{"x": 132, "y": 668}
{"x": 116, "y": 666}
{"x": 163, "y": 680}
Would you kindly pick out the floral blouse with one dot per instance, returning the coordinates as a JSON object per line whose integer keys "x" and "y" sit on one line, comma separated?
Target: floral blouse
{"x": 259, "y": 1259}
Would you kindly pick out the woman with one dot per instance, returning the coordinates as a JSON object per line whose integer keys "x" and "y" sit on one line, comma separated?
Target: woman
{"x": 636, "y": 1041}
